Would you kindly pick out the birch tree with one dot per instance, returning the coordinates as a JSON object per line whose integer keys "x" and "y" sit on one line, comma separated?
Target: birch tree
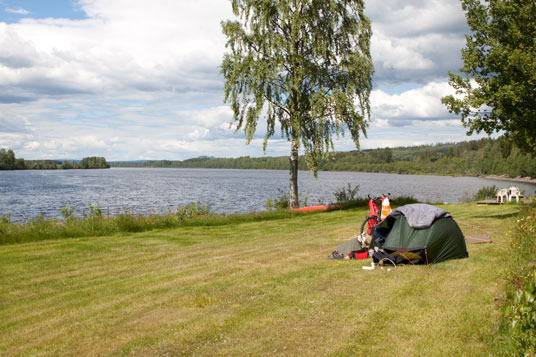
{"x": 305, "y": 67}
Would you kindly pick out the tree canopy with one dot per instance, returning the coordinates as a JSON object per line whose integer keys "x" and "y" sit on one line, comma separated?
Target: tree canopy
{"x": 304, "y": 66}
{"x": 9, "y": 162}
{"x": 498, "y": 91}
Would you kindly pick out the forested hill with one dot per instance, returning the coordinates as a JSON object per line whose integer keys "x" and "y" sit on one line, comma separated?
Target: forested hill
{"x": 8, "y": 161}
{"x": 472, "y": 158}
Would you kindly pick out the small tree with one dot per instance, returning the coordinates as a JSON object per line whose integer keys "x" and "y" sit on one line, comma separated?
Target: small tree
{"x": 498, "y": 92}
{"x": 304, "y": 64}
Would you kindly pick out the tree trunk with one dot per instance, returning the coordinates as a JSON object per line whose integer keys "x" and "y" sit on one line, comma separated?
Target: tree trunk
{"x": 294, "y": 203}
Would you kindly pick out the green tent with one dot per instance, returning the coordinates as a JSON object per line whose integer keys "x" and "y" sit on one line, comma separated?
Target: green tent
{"x": 425, "y": 230}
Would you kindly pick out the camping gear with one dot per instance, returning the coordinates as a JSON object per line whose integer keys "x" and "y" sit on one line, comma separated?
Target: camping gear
{"x": 335, "y": 255}
{"x": 372, "y": 219}
{"x": 348, "y": 247}
{"x": 359, "y": 254}
{"x": 351, "y": 249}
{"x": 376, "y": 215}
{"x": 386, "y": 208}
{"x": 428, "y": 232}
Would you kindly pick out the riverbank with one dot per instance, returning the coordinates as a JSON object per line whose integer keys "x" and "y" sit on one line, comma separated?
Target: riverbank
{"x": 512, "y": 179}
{"x": 259, "y": 288}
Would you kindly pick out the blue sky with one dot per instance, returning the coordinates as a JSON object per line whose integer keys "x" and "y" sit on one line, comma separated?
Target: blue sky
{"x": 129, "y": 80}
{"x": 15, "y": 10}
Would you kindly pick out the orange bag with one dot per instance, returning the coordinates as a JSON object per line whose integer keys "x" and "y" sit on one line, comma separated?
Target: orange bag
{"x": 386, "y": 208}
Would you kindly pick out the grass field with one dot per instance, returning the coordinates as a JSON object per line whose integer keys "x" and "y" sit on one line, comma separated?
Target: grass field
{"x": 260, "y": 288}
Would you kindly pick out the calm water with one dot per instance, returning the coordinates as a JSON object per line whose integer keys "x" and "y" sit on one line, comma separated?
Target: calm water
{"x": 25, "y": 194}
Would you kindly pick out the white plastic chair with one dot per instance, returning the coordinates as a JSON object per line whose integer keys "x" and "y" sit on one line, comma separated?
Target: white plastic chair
{"x": 514, "y": 192}
{"x": 502, "y": 195}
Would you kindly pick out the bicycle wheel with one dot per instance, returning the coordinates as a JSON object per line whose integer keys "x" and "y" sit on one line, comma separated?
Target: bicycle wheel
{"x": 365, "y": 224}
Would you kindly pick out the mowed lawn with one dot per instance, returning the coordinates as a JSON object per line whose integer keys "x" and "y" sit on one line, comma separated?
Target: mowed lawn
{"x": 249, "y": 289}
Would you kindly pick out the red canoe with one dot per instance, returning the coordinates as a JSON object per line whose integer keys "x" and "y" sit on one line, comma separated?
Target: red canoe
{"x": 315, "y": 208}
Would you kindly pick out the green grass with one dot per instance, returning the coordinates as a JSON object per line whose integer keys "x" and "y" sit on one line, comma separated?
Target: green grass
{"x": 249, "y": 288}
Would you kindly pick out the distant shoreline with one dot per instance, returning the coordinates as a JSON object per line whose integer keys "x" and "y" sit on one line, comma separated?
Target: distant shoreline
{"x": 514, "y": 179}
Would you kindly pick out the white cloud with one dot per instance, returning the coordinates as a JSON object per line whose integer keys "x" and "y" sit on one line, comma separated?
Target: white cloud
{"x": 400, "y": 53}
{"x": 421, "y": 103}
{"x": 31, "y": 145}
{"x": 403, "y": 18}
{"x": 133, "y": 81}
{"x": 18, "y": 11}
{"x": 14, "y": 124}
{"x": 124, "y": 46}
{"x": 416, "y": 41}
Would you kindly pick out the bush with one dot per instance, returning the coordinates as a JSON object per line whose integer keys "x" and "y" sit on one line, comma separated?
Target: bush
{"x": 68, "y": 213}
{"x": 282, "y": 202}
{"x": 518, "y": 325}
{"x": 520, "y": 316}
{"x": 344, "y": 195}
{"x": 193, "y": 210}
{"x": 486, "y": 192}
{"x": 93, "y": 211}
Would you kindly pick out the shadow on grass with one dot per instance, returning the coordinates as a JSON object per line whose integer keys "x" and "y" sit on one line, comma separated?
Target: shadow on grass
{"x": 501, "y": 216}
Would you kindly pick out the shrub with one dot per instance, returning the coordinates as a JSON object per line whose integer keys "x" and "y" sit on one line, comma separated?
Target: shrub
{"x": 518, "y": 325}
{"x": 344, "y": 195}
{"x": 93, "y": 211}
{"x": 520, "y": 316}
{"x": 193, "y": 210}
{"x": 282, "y": 202}
{"x": 486, "y": 192}
{"x": 68, "y": 213}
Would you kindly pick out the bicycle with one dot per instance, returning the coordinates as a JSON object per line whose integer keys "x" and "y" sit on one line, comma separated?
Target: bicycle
{"x": 373, "y": 219}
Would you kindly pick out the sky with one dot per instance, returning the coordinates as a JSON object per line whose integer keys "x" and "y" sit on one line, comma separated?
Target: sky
{"x": 139, "y": 80}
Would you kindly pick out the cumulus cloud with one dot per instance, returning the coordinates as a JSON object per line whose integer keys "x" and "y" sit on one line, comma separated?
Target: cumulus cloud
{"x": 14, "y": 124}
{"x": 416, "y": 41}
{"x": 32, "y": 145}
{"x": 132, "y": 81}
{"x": 125, "y": 45}
{"x": 16, "y": 52}
{"x": 415, "y": 104}
{"x": 18, "y": 11}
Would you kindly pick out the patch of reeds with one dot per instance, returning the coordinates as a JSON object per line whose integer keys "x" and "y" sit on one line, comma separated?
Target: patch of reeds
{"x": 94, "y": 223}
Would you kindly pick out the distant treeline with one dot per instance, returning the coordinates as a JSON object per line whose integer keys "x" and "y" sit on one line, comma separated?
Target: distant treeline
{"x": 8, "y": 161}
{"x": 471, "y": 158}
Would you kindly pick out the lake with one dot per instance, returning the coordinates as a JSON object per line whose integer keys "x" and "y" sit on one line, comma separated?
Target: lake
{"x": 26, "y": 194}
